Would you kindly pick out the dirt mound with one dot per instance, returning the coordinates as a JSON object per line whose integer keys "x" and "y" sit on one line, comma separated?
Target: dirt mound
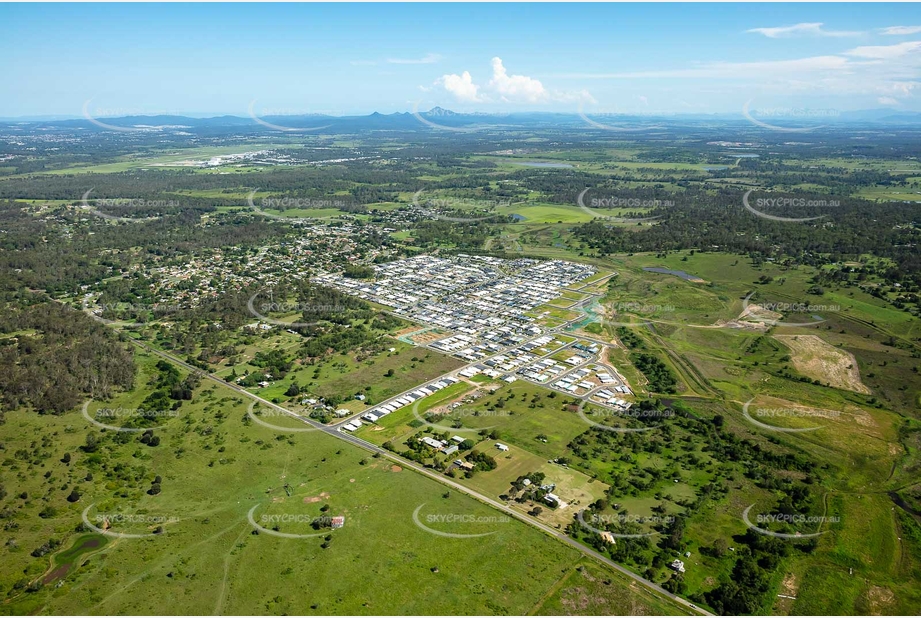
{"x": 819, "y": 360}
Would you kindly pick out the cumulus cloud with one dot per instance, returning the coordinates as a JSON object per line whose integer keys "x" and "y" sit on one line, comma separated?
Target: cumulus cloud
{"x": 515, "y": 88}
{"x": 900, "y": 30}
{"x": 804, "y": 29}
{"x": 461, "y": 86}
{"x": 506, "y": 88}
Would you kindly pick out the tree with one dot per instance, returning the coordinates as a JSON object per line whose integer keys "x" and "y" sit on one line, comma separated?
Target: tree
{"x": 74, "y": 496}
{"x": 91, "y": 444}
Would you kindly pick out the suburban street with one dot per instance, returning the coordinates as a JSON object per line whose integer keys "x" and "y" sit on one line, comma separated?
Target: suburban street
{"x": 335, "y": 430}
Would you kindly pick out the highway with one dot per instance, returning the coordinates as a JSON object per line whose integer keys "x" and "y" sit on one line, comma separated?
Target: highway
{"x": 404, "y": 463}
{"x": 334, "y": 431}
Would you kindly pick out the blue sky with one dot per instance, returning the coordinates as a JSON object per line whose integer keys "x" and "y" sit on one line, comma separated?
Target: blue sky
{"x": 355, "y": 59}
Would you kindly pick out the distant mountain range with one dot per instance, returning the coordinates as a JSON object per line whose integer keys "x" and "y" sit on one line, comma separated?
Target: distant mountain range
{"x": 439, "y": 117}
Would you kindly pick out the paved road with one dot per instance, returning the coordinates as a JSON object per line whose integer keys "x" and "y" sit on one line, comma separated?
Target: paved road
{"x": 332, "y": 431}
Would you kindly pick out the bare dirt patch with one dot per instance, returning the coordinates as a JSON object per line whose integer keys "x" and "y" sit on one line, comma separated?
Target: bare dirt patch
{"x": 58, "y": 573}
{"x": 815, "y": 358}
{"x": 753, "y": 317}
{"x": 848, "y": 412}
{"x": 396, "y": 468}
{"x": 790, "y": 585}
{"x": 314, "y": 499}
{"x": 881, "y": 600}
{"x": 757, "y": 313}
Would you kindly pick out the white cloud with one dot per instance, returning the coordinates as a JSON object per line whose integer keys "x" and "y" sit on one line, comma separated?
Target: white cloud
{"x": 885, "y": 52}
{"x": 461, "y": 86}
{"x": 900, "y": 30}
{"x": 515, "y": 88}
{"x": 507, "y": 88}
{"x": 887, "y": 101}
{"x": 427, "y": 59}
{"x": 888, "y": 71}
{"x": 804, "y": 29}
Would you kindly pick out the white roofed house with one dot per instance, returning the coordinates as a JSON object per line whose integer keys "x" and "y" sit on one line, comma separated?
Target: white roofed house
{"x": 435, "y": 444}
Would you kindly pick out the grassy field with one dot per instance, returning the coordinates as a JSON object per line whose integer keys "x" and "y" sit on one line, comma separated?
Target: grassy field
{"x": 586, "y": 591}
{"x": 216, "y": 466}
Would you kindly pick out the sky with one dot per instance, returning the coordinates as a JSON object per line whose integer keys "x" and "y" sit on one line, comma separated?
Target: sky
{"x": 278, "y": 59}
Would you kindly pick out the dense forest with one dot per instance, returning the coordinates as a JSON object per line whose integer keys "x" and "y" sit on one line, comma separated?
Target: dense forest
{"x": 54, "y": 357}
